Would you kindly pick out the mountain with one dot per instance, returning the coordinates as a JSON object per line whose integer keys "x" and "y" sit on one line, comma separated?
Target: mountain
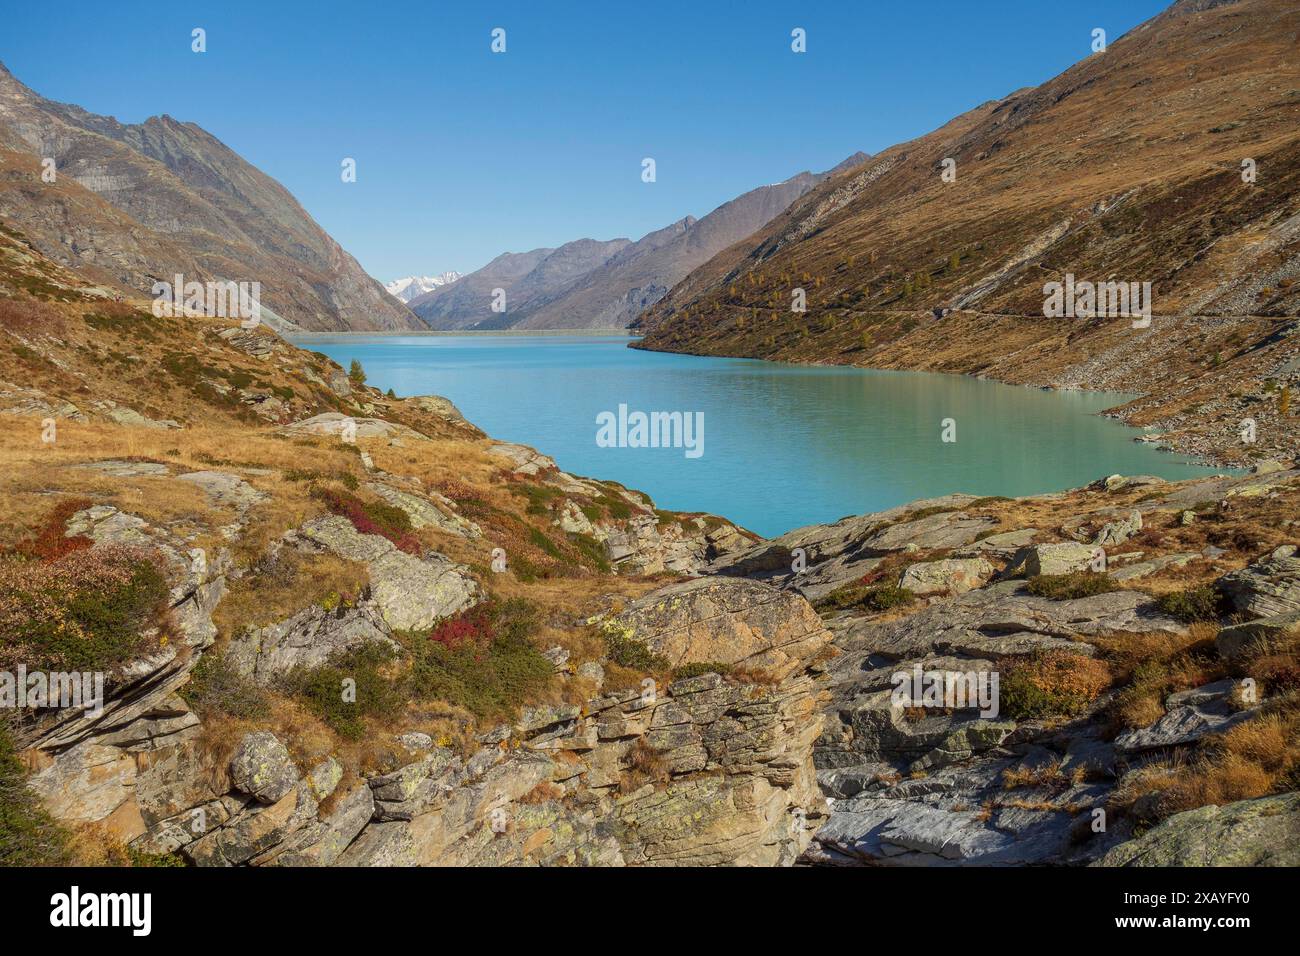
{"x": 132, "y": 204}
{"x": 528, "y": 279}
{"x": 412, "y": 286}
{"x": 1133, "y": 166}
{"x": 587, "y": 284}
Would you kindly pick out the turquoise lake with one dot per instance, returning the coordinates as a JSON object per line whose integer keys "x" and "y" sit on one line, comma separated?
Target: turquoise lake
{"x": 783, "y": 445}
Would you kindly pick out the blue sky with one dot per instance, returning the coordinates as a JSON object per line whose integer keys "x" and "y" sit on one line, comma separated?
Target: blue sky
{"x": 463, "y": 154}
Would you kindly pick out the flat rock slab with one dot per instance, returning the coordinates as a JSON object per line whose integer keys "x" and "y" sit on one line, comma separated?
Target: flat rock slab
{"x": 997, "y": 611}
{"x": 128, "y": 469}
{"x": 225, "y": 489}
{"x": 336, "y": 424}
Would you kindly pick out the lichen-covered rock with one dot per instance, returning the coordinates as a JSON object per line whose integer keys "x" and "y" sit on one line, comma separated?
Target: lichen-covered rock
{"x": 949, "y": 576}
{"x": 411, "y": 593}
{"x": 262, "y": 768}
{"x": 307, "y": 639}
{"x": 1063, "y": 558}
{"x": 426, "y": 510}
{"x": 1260, "y": 832}
{"x": 725, "y": 620}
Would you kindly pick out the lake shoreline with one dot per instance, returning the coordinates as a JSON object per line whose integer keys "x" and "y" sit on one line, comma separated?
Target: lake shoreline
{"x": 848, "y": 439}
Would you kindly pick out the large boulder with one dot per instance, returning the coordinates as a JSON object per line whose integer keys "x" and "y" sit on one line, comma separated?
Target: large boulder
{"x": 949, "y": 576}
{"x": 262, "y": 767}
{"x": 729, "y": 621}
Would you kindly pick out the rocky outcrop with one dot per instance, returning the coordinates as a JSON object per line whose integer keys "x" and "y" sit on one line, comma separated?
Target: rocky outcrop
{"x": 731, "y": 622}
{"x": 426, "y": 509}
{"x": 338, "y": 425}
{"x": 1258, "y": 832}
{"x": 820, "y": 558}
{"x": 713, "y": 769}
{"x": 409, "y": 592}
{"x": 1270, "y": 586}
{"x": 308, "y": 639}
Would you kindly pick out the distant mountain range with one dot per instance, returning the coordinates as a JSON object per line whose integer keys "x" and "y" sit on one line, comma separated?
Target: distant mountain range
{"x": 589, "y": 283}
{"x": 132, "y": 204}
{"x": 412, "y": 286}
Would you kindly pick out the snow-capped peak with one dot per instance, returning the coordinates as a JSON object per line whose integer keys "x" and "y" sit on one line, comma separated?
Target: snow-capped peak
{"x": 408, "y": 288}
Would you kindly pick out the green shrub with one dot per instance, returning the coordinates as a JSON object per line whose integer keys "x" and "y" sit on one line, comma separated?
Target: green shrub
{"x": 1068, "y": 587}
{"x": 215, "y": 685}
{"x": 29, "y": 836}
{"x": 628, "y": 652}
{"x": 873, "y": 597}
{"x": 540, "y": 497}
{"x": 545, "y": 544}
{"x": 87, "y": 610}
{"x": 1192, "y": 605}
{"x": 591, "y": 550}
{"x": 483, "y": 660}
{"x": 322, "y": 689}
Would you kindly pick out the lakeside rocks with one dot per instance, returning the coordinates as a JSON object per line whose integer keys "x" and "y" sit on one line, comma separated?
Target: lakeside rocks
{"x": 786, "y": 744}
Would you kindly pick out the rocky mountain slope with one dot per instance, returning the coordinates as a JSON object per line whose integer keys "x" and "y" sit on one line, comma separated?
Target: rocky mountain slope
{"x": 132, "y": 204}
{"x": 587, "y": 284}
{"x": 1169, "y": 158}
{"x": 1144, "y": 635}
{"x": 341, "y": 627}
{"x": 412, "y": 286}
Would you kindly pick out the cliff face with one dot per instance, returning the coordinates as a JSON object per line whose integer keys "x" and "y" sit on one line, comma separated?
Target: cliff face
{"x": 707, "y": 771}
{"x": 135, "y": 203}
{"x": 1169, "y": 159}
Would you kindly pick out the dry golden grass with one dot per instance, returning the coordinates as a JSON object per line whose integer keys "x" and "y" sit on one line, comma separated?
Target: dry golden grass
{"x": 643, "y": 764}
{"x": 544, "y": 792}
{"x": 1252, "y": 759}
{"x": 274, "y": 590}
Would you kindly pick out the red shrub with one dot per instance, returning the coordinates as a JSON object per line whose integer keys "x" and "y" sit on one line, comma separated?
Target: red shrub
{"x": 375, "y": 518}
{"x": 474, "y": 624}
{"x": 48, "y": 542}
